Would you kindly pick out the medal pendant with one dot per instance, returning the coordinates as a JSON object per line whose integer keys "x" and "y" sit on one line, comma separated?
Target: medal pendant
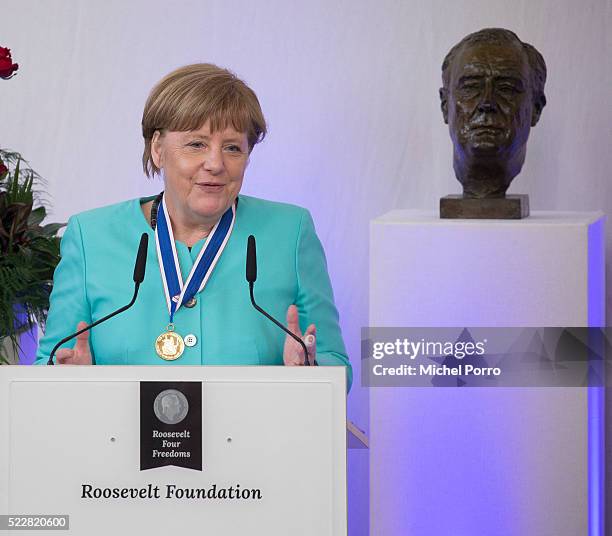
{"x": 169, "y": 345}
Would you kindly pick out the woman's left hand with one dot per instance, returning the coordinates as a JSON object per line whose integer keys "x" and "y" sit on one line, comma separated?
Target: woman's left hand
{"x": 293, "y": 353}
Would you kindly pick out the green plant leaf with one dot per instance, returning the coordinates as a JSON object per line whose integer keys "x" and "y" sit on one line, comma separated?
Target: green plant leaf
{"x": 51, "y": 229}
{"x": 37, "y": 216}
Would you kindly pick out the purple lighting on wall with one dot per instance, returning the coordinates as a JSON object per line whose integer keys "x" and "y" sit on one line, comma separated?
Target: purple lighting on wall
{"x": 29, "y": 343}
{"x": 596, "y": 395}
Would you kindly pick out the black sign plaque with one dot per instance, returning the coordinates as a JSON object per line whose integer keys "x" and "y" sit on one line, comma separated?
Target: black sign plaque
{"x": 171, "y": 424}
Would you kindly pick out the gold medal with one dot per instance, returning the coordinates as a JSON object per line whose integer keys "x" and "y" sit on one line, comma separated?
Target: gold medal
{"x": 169, "y": 345}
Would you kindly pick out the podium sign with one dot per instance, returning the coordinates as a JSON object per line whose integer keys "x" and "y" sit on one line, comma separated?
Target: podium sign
{"x": 176, "y": 450}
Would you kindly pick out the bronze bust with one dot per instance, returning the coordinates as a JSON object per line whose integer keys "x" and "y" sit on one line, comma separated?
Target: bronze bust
{"x": 492, "y": 94}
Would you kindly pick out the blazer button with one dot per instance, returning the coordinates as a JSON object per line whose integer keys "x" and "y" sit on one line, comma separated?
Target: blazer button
{"x": 191, "y": 303}
{"x": 191, "y": 340}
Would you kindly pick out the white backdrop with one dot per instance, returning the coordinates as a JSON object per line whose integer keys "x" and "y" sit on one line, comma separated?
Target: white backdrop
{"x": 349, "y": 89}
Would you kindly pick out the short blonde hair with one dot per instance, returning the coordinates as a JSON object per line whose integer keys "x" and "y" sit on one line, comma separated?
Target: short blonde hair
{"x": 189, "y": 96}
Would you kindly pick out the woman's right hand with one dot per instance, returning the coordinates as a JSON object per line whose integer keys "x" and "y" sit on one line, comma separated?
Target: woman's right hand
{"x": 80, "y": 354}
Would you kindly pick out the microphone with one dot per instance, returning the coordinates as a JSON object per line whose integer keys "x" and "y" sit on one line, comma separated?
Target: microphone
{"x": 251, "y": 277}
{"x": 139, "y": 274}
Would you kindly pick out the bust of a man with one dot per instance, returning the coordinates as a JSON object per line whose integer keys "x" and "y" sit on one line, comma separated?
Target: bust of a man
{"x": 492, "y": 94}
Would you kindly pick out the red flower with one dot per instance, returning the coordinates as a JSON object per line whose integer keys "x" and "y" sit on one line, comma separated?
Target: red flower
{"x": 7, "y": 67}
{"x": 3, "y": 169}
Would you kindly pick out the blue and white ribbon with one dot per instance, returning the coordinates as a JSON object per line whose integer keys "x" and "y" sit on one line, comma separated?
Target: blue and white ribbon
{"x": 177, "y": 293}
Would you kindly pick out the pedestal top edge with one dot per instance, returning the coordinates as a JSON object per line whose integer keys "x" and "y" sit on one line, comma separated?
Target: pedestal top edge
{"x": 543, "y": 217}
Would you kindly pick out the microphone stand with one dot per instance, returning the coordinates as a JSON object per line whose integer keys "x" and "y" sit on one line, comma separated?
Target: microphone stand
{"x": 86, "y": 328}
{"x": 251, "y": 277}
{"x": 287, "y": 331}
{"x": 139, "y": 273}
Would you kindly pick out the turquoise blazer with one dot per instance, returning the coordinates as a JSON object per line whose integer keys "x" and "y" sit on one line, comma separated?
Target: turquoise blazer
{"x": 94, "y": 277}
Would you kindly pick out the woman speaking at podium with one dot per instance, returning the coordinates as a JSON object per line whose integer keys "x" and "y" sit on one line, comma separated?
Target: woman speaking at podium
{"x": 200, "y": 125}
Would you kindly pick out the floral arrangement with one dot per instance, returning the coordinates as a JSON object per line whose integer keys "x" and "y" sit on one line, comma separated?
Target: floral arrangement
{"x": 29, "y": 250}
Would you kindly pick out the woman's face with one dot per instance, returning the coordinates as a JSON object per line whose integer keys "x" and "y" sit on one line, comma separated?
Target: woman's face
{"x": 203, "y": 171}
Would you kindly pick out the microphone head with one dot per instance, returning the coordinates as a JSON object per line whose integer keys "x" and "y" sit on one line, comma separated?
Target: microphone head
{"x": 251, "y": 260}
{"x": 141, "y": 259}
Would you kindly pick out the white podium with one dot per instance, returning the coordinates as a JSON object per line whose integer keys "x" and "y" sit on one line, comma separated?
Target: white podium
{"x": 275, "y": 435}
{"x": 502, "y": 461}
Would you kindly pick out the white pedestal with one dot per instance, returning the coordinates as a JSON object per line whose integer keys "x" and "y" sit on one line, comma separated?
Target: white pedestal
{"x": 509, "y": 462}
